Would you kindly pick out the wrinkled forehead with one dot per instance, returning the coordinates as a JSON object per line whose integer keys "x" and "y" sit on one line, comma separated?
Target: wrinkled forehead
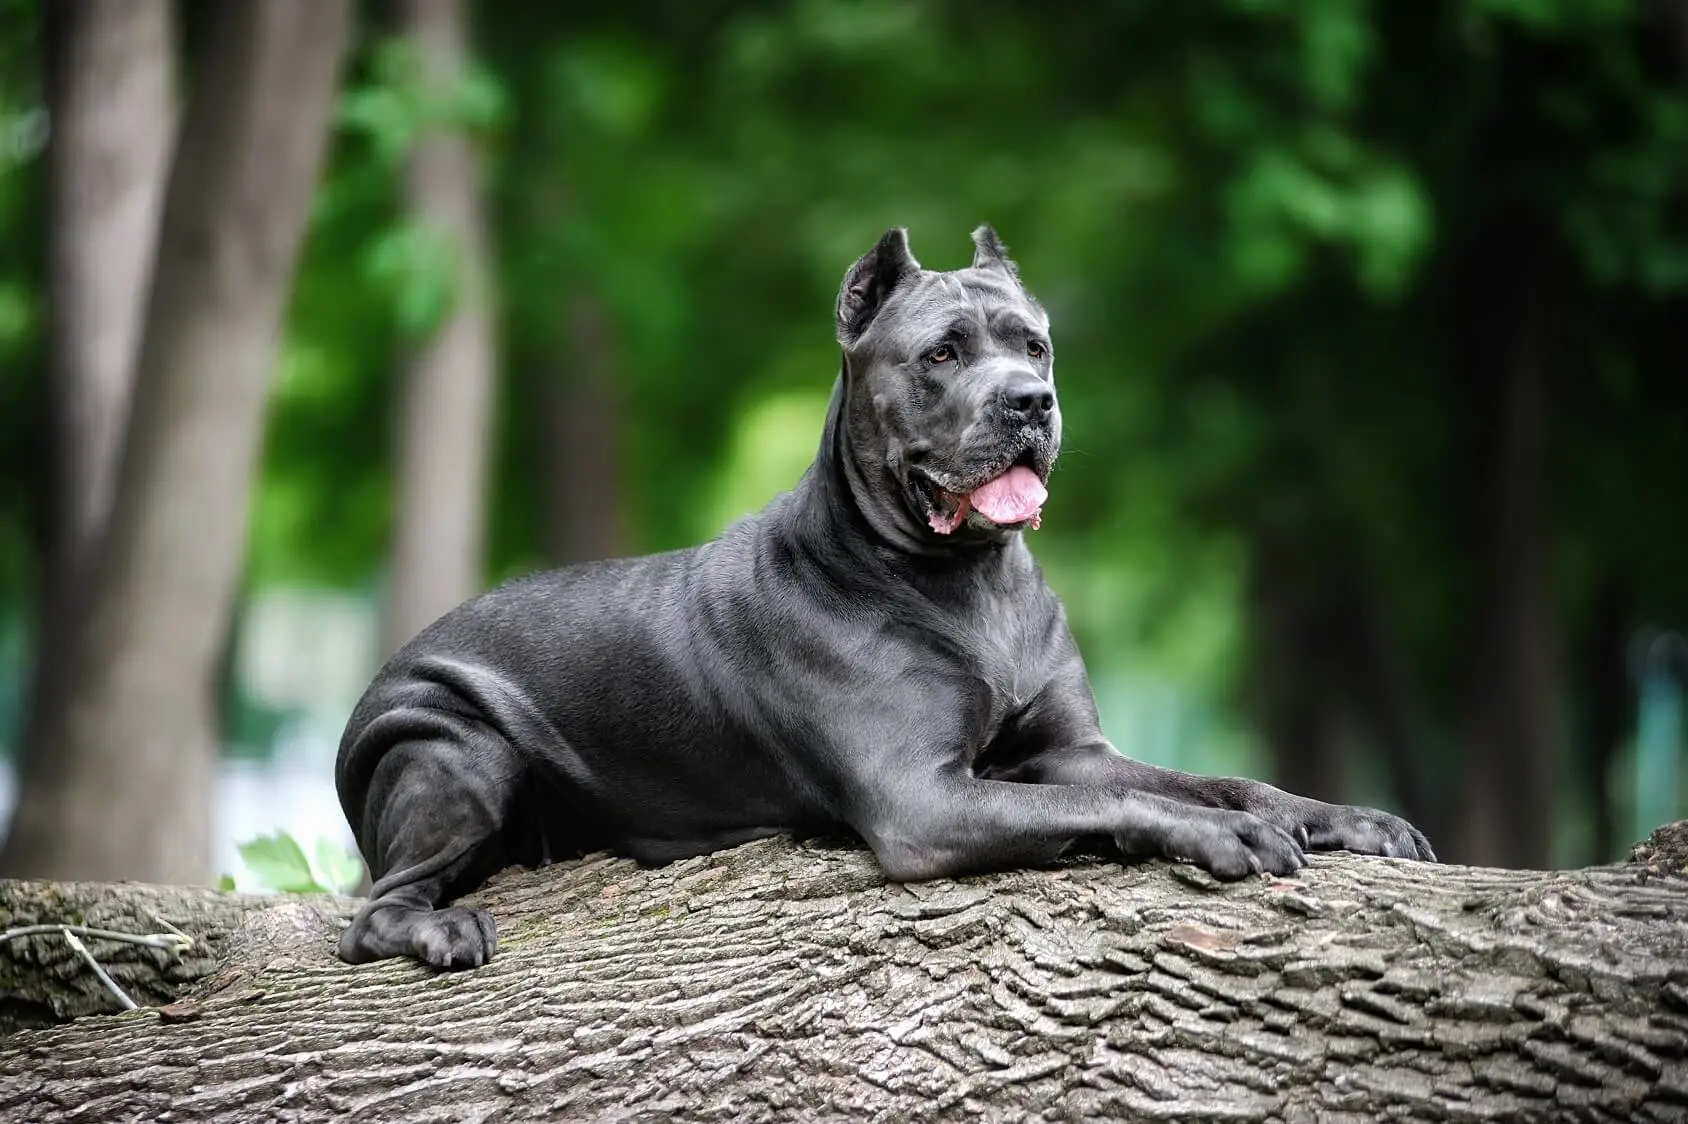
{"x": 929, "y": 307}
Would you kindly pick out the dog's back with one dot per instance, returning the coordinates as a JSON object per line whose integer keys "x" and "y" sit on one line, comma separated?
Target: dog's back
{"x": 631, "y": 690}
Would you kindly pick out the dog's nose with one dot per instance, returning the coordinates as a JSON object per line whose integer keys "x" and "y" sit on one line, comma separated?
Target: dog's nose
{"x": 1029, "y": 397}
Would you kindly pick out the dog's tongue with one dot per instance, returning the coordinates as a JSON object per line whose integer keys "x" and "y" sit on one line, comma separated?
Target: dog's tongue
{"x": 1014, "y": 497}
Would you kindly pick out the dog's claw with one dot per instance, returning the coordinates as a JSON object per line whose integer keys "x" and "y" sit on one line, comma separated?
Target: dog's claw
{"x": 454, "y": 938}
{"x": 1365, "y": 831}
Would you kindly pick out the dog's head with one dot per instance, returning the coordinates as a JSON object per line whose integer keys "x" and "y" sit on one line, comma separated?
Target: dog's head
{"x": 950, "y": 389}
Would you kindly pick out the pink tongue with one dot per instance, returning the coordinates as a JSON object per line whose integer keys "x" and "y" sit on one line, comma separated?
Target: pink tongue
{"x": 1014, "y": 497}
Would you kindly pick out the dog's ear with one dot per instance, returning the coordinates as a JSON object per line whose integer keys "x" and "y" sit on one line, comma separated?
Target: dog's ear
{"x": 871, "y": 281}
{"x": 990, "y": 253}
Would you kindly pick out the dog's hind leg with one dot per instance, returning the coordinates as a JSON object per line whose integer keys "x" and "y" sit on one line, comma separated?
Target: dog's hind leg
{"x": 437, "y": 821}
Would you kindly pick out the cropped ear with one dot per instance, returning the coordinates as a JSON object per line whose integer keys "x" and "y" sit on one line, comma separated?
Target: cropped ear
{"x": 870, "y": 282}
{"x": 990, "y": 253}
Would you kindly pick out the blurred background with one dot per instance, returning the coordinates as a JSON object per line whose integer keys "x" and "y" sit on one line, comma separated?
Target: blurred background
{"x": 317, "y": 317}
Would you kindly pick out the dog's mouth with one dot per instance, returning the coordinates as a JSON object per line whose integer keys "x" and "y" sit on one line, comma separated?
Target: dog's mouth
{"x": 1010, "y": 499}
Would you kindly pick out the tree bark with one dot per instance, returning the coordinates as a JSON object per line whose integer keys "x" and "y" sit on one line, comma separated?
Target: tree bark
{"x": 133, "y": 750}
{"x": 446, "y": 405}
{"x": 784, "y": 981}
{"x": 110, "y": 72}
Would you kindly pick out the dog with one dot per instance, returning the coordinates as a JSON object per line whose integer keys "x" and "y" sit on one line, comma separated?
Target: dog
{"x": 875, "y": 654}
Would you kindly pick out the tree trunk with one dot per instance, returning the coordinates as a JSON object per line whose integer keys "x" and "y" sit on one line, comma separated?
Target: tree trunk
{"x": 134, "y": 749}
{"x": 1609, "y": 709}
{"x": 1673, "y": 15}
{"x": 1327, "y": 675}
{"x": 110, "y": 70}
{"x": 581, "y": 451}
{"x": 1387, "y": 695}
{"x": 1512, "y": 724}
{"x": 446, "y": 406}
{"x": 1298, "y": 664}
{"x": 791, "y": 982}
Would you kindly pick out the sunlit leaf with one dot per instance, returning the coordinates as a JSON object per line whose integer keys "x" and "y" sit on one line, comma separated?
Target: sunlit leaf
{"x": 339, "y": 868}
{"x": 277, "y": 862}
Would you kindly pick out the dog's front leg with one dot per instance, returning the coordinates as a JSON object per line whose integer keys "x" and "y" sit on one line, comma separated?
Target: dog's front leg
{"x": 1315, "y": 824}
{"x": 945, "y": 824}
{"x": 1056, "y": 739}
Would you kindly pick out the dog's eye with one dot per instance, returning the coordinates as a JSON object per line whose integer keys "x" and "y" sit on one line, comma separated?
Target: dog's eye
{"x": 940, "y": 355}
{"x": 1036, "y": 349}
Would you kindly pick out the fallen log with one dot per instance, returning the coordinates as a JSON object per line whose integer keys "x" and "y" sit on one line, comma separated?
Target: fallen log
{"x": 790, "y": 981}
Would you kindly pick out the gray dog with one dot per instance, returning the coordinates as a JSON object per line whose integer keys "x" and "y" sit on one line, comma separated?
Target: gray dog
{"x": 874, "y": 653}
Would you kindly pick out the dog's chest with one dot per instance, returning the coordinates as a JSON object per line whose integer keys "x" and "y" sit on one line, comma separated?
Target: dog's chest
{"x": 1005, "y": 669}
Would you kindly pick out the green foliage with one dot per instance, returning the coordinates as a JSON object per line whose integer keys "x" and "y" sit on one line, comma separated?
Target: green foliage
{"x": 387, "y": 111}
{"x": 773, "y": 444}
{"x": 341, "y": 870}
{"x": 396, "y": 103}
{"x": 1282, "y": 209}
{"x": 278, "y": 863}
{"x": 418, "y": 267}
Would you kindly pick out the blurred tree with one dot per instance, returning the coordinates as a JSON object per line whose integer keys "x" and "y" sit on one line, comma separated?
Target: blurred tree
{"x": 445, "y": 396}
{"x": 584, "y": 111}
{"x": 580, "y": 416}
{"x": 121, "y": 786}
{"x": 110, "y": 67}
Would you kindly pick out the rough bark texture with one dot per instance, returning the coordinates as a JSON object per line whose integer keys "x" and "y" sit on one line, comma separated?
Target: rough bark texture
{"x": 44, "y": 982}
{"x": 110, "y": 66}
{"x": 779, "y": 981}
{"x": 134, "y": 748}
{"x": 446, "y": 406}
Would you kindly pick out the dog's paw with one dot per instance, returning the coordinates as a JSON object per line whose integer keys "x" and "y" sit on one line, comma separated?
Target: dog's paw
{"x": 454, "y": 938}
{"x": 1232, "y": 845}
{"x": 445, "y": 938}
{"x": 1365, "y": 831}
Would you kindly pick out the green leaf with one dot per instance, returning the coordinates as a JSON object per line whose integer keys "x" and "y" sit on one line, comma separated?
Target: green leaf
{"x": 277, "y": 862}
{"x": 225, "y": 883}
{"x": 417, "y": 268}
{"x": 479, "y": 102}
{"x": 340, "y": 868}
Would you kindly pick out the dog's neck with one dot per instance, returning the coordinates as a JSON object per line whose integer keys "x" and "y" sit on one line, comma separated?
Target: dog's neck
{"x": 839, "y": 489}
